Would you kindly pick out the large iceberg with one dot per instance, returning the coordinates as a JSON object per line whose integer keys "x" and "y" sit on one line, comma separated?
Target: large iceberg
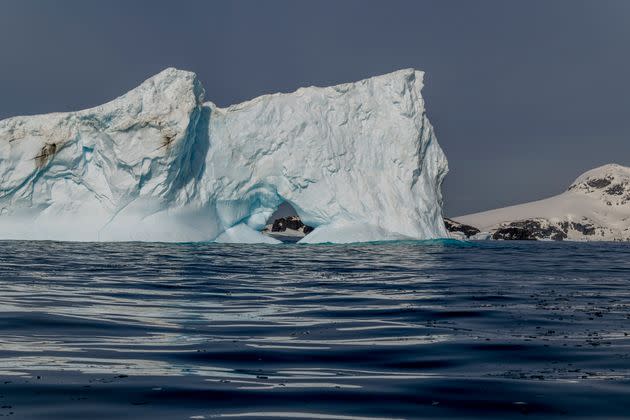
{"x": 358, "y": 161}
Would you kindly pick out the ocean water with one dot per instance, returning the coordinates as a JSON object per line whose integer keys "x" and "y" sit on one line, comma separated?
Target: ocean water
{"x": 393, "y": 330}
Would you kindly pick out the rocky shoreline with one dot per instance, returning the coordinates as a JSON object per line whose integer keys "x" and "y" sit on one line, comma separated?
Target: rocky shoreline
{"x": 291, "y": 229}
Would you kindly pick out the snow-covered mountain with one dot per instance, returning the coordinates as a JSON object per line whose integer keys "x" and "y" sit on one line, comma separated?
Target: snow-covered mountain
{"x": 595, "y": 207}
{"x": 358, "y": 161}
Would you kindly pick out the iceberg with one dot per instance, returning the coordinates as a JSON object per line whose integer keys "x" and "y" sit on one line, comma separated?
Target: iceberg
{"x": 358, "y": 162}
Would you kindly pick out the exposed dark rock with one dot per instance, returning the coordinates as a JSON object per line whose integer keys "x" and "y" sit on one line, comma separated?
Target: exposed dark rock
{"x": 513, "y": 234}
{"x": 616, "y": 189}
{"x": 529, "y": 230}
{"x": 598, "y": 182}
{"x": 583, "y": 228}
{"x": 453, "y": 226}
{"x": 522, "y": 230}
{"x": 290, "y": 222}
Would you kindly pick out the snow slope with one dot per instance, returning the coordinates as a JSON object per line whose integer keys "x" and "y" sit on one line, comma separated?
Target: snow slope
{"x": 358, "y": 161}
{"x": 595, "y": 207}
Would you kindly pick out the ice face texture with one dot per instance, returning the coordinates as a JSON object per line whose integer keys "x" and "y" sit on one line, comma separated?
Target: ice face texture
{"x": 358, "y": 161}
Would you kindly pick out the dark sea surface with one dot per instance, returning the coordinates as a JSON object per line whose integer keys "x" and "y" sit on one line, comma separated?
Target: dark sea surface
{"x": 400, "y": 330}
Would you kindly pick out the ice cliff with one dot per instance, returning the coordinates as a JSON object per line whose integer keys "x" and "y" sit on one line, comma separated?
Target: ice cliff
{"x": 358, "y": 161}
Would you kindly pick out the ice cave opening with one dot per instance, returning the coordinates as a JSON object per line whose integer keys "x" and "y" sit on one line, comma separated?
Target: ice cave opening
{"x": 285, "y": 225}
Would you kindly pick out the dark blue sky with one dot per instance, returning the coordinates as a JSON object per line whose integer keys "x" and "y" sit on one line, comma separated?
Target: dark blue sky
{"x": 524, "y": 95}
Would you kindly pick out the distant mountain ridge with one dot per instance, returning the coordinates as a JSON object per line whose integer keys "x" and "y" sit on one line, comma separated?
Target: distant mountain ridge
{"x": 595, "y": 207}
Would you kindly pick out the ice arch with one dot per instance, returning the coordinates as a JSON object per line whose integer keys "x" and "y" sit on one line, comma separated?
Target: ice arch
{"x": 358, "y": 161}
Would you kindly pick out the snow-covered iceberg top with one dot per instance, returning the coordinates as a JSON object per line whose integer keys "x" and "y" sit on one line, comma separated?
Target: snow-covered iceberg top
{"x": 358, "y": 161}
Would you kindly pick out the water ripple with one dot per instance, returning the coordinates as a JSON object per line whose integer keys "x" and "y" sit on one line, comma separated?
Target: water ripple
{"x": 398, "y": 330}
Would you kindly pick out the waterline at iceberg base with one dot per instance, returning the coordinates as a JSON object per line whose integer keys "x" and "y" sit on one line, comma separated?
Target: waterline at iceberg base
{"x": 358, "y": 162}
